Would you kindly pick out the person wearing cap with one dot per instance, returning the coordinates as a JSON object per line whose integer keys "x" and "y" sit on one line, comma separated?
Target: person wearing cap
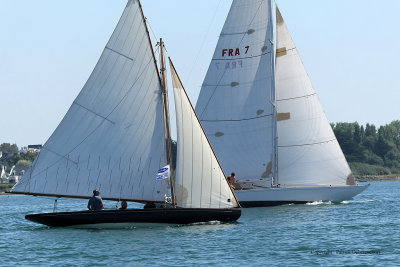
{"x": 95, "y": 202}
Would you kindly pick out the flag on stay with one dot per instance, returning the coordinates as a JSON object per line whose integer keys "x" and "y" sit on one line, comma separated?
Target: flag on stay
{"x": 163, "y": 173}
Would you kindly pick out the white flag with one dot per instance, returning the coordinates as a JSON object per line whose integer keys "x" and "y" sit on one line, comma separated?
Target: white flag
{"x": 163, "y": 173}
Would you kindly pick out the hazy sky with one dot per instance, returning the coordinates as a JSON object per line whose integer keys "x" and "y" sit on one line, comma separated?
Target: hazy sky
{"x": 351, "y": 50}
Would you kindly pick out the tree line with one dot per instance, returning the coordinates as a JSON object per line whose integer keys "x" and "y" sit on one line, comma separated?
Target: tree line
{"x": 370, "y": 150}
{"x": 17, "y": 159}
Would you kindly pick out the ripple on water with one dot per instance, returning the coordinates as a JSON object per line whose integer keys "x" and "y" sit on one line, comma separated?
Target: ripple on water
{"x": 312, "y": 234}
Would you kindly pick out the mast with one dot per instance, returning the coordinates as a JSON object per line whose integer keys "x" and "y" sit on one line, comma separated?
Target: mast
{"x": 273, "y": 98}
{"x": 165, "y": 93}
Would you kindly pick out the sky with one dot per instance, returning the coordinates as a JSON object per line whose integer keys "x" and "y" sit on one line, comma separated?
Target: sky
{"x": 351, "y": 51}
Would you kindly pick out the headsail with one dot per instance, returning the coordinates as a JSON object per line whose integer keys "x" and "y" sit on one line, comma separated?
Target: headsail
{"x": 308, "y": 152}
{"x": 236, "y": 102}
{"x": 199, "y": 181}
{"x": 113, "y": 137}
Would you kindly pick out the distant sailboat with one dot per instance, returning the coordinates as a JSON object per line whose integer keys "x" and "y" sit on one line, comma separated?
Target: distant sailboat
{"x": 263, "y": 117}
{"x": 115, "y": 137}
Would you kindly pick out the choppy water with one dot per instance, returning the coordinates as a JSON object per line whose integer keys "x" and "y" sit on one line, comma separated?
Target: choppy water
{"x": 360, "y": 232}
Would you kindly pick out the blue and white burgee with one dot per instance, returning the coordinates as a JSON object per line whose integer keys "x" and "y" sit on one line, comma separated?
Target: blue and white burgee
{"x": 163, "y": 173}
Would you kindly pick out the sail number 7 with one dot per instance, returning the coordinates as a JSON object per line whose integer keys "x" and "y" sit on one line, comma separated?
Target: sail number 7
{"x": 234, "y": 51}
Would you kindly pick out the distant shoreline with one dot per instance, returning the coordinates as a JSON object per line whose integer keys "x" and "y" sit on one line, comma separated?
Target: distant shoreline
{"x": 377, "y": 178}
{"x": 367, "y": 178}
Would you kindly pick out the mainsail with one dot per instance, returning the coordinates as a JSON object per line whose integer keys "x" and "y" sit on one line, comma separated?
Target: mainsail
{"x": 199, "y": 181}
{"x": 308, "y": 152}
{"x": 113, "y": 137}
{"x": 237, "y": 98}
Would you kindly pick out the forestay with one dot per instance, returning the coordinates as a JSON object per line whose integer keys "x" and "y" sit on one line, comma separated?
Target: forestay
{"x": 236, "y": 101}
{"x": 113, "y": 136}
{"x": 308, "y": 152}
{"x": 199, "y": 181}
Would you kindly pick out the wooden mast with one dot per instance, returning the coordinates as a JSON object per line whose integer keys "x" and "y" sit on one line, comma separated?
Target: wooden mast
{"x": 165, "y": 93}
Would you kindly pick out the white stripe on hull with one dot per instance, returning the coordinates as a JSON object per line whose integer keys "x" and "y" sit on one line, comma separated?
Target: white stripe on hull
{"x": 300, "y": 194}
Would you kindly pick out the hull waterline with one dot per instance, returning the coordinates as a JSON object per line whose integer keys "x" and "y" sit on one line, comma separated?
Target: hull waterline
{"x": 265, "y": 197}
{"x": 158, "y": 216}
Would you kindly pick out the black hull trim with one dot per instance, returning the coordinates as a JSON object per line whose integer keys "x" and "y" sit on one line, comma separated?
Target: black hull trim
{"x": 254, "y": 204}
{"x": 166, "y": 216}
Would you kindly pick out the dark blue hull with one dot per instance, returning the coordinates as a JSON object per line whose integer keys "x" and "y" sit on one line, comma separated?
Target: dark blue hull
{"x": 166, "y": 216}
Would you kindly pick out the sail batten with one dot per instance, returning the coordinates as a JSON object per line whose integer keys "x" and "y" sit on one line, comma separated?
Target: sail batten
{"x": 113, "y": 137}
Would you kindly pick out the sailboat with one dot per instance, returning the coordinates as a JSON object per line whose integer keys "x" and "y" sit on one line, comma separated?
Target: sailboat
{"x": 263, "y": 117}
{"x": 116, "y": 136}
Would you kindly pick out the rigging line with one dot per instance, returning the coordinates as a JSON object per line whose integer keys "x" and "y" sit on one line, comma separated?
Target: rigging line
{"x": 316, "y": 143}
{"x": 223, "y": 74}
{"x": 291, "y": 98}
{"x": 151, "y": 29}
{"x": 204, "y": 40}
{"x": 246, "y": 119}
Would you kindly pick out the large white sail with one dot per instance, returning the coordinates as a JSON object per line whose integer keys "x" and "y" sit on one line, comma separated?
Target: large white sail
{"x": 199, "y": 181}
{"x": 113, "y": 136}
{"x": 236, "y": 101}
{"x": 308, "y": 152}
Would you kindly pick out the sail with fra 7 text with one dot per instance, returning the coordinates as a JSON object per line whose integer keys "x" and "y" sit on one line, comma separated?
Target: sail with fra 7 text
{"x": 263, "y": 117}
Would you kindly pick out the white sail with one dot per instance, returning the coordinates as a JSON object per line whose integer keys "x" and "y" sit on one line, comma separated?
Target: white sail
{"x": 199, "y": 181}
{"x": 235, "y": 104}
{"x": 113, "y": 136}
{"x": 308, "y": 152}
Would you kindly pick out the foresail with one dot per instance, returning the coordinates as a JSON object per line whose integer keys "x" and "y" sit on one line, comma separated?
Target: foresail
{"x": 236, "y": 101}
{"x": 199, "y": 181}
{"x": 308, "y": 152}
{"x": 113, "y": 136}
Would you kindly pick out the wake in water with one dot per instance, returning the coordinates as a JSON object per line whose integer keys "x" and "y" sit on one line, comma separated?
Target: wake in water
{"x": 345, "y": 202}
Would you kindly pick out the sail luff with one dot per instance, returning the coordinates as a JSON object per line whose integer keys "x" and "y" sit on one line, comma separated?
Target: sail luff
{"x": 150, "y": 42}
{"x": 166, "y": 110}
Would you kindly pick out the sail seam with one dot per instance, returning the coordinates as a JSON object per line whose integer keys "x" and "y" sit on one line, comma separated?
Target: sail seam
{"x": 104, "y": 118}
{"x": 246, "y": 119}
{"x": 112, "y": 50}
{"x": 260, "y": 55}
{"x": 291, "y": 98}
{"x": 316, "y": 143}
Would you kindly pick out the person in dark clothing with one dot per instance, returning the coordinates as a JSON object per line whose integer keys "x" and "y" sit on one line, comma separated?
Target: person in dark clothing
{"x": 124, "y": 205}
{"x": 95, "y": 202}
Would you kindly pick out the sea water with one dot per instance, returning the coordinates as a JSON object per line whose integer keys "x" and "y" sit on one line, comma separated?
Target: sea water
{"x": 360, "y": 232}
